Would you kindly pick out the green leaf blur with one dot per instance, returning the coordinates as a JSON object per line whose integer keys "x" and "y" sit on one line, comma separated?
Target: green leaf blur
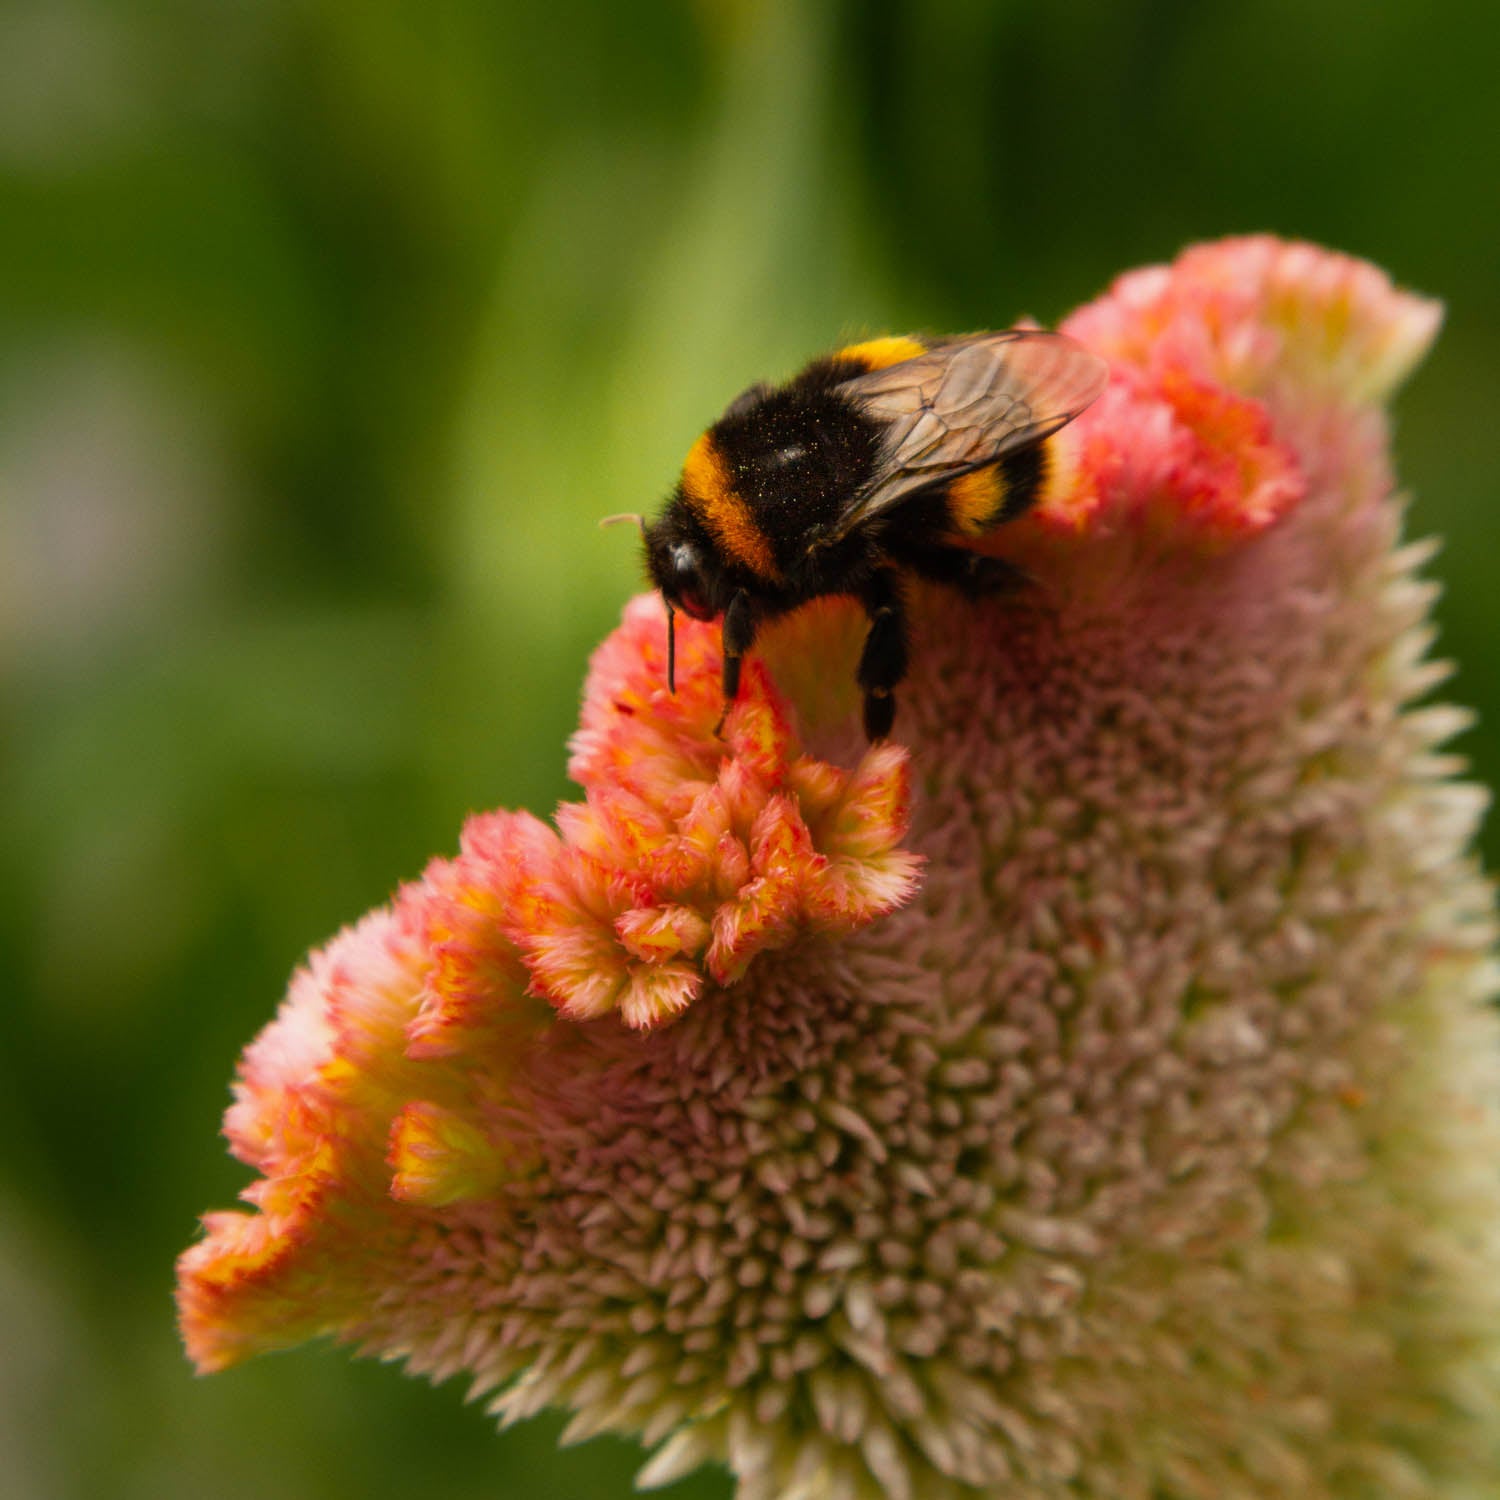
{"x": 327, "y": 332}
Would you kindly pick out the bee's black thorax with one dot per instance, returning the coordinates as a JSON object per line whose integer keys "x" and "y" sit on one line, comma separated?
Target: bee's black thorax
{"x": 793, "y": 459}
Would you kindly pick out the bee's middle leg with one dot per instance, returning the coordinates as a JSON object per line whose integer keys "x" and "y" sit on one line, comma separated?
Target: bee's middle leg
{"x": 882, "y": 663}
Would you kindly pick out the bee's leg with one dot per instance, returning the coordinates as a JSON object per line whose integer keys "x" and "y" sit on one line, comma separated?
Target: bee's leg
{"x": 738, "y": 635}
{"x": 973, "y": 573}
{"x": 882, "y": 664}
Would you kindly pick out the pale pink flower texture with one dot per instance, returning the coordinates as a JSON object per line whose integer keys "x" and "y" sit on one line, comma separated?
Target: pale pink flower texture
{"x": 1090, "y": 1093}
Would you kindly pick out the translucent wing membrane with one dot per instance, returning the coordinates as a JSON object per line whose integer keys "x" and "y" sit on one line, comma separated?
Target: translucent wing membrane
{"x": 966, "y": 404}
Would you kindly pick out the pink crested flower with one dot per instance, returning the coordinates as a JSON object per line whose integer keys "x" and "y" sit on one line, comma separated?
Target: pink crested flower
{"x": 1093, "y": 1093}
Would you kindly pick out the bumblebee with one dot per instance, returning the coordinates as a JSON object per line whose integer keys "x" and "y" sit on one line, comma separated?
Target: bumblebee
{"x": 884, "y": 459}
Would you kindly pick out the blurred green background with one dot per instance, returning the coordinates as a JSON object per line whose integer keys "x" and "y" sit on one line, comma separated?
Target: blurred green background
{"x": 327, "y": 331}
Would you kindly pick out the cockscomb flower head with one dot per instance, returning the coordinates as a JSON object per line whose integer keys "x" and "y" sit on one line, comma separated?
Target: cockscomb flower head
{"x": 1092, "y": 1094}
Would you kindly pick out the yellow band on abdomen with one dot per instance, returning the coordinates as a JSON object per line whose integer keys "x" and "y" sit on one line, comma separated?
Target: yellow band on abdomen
{"x": 975, "y": 500}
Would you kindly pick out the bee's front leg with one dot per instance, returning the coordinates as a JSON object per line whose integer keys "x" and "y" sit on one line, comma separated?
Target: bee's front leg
{"x": 738, "y": 635}
{"x": 882, "y": 664}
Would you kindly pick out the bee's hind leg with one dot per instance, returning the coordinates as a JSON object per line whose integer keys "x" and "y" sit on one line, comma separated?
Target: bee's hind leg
{"x": 882, "y": 664}
{"x": 973, "y": 573}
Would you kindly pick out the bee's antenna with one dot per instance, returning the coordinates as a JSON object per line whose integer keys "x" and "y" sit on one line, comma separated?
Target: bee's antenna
{"x": 639, "y": 521}
{"x": 628, "y": 515}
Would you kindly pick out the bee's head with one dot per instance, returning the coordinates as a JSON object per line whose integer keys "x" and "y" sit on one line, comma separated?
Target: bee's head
{"x": 682, "y": 563}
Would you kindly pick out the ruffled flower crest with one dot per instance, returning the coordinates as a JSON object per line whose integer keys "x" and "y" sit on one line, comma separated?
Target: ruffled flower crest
{"x": 1093, "y": 1095}
{"x": 404, "y": 1063}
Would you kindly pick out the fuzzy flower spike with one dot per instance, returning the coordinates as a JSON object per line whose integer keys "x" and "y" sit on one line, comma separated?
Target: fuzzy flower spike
{"x": 1094, "y": 1096}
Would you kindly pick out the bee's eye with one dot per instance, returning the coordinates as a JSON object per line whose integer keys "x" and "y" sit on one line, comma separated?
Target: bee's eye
{"x": 688, "y": 588}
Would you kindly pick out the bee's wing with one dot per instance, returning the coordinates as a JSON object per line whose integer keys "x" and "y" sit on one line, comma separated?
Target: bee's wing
{"x": 966, "y": 404}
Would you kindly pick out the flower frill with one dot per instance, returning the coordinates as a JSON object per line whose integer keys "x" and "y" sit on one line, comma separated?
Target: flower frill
{"x": 1093, "y": 1094}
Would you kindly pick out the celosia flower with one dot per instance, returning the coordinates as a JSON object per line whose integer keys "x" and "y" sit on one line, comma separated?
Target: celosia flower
{"x": 1091, "y": 1095}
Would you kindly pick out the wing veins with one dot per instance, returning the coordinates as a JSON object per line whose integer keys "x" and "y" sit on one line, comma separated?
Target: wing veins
{"x": 958, "y": 408}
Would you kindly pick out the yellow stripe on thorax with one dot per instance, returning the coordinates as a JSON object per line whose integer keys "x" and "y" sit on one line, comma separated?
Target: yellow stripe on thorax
{"x": 878, "y": 354}
{"x": 975, "y": 499}
{"x": 710, "y": 493}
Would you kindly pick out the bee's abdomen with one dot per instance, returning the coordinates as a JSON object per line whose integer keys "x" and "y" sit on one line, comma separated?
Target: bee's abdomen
{"x": 983, "y": 499}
